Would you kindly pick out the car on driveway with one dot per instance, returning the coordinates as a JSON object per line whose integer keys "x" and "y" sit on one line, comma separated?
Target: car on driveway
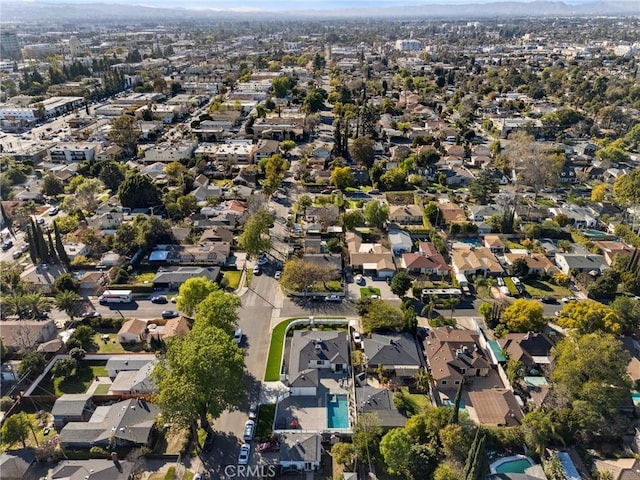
{"x": 357, "y": 338}
{"x": 359, "y": 279}
{"x": 169, "y": 314}
{"x": 159, "y": 299}
{"x": 7, "y": 245}
{"x": 245, "y": 450}
{"x": 54, "y": 211}
{"x": 278, "y": 275}
{"x": 41, "y": 221}
{"x": 248, "y": 431}
{"x": 267, "y": 447}
{"x": 332, "y": 298}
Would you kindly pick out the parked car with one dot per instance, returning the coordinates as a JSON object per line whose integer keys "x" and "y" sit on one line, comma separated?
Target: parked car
{"x": 169, "y": 314}
{"x": 91, "y": 315}
{"x": 357, "y": 338}
{"x": 332, "y": 298}
{"x": 263, "y": 260}
{"x": 17, "y": 254}
{"x": 237, "y": 336}
{"x": 278, "y": 275}
{"x": 7, "y": 245}
{"x": 256, "y": 270}
{"x": 253, "y": 410}
{"x": 40, "y": 221}
{"x": 159, "y": 299}
{"x": 568, "y": 299}
{"x": 54, "y": 211}
{"x": 247, "y": 432}
{"x": 243, "y": 458}
{"x": 359, "y": 279}
{"x": 269, "y": 447}
{"x": 548, "y": 299}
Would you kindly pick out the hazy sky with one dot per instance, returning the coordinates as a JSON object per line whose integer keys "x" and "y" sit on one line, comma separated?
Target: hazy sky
{"x": 278, "y": 4}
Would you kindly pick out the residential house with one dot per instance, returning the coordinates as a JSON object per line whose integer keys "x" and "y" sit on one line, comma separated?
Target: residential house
{"x": 619, "y": 468}
{"x": 280, "y": 127}
{"x": 579, "y": 217}
{"x": 72, "y": 407}
{"x": 369, "y": 258}
{"x": 170, "y": 278}
{"x": 633, "y": 367}
{"x": 569, "y": 262}
{"x": 475, "y": 261}
{"x": 205, "y": 192}
{"x": 178, "y": 326}
{"x": 169, "y": 152}
{"x": 135, "y": 381}
{"x": 300, "y": 451}
{"x": 24, "y": 335}
{"x": 494, "y": 407}
{"x": 481, "y": 213}
{"x": 427, "y": 261}
{"x": 530, "y": 214}
{"x": 396, "y": 352}
{"x": 125, "y": 363}
{"x": 538, "y": 263}
{"x": 15, "y": 463}
{"x": 126, "y": 423}
{"x": 265, "y": 148}
{"x": 495, "y": 244}
{"x": 454, "y": 355}
{"x": 234, "y": 153}
{"x": 380, "y": 402}
{"x": 532, "y": 349}
{"x": 133, "y": 331}
{"x": 41, "y": 277}
{"x": 325, "y": 215}
{"x": 75, "y": 249}
{"x": 215, "y": 235}
{"x": 201, "y": 181}
{"x": 97, "y": 469}
{"x": 311, "y": 354}
{"x": 406, "y": 215}
{"x": 400, "y": 241}
{"x": 452, "y": 213}
{"x": 210, "y": 254}
{"x": 326, "y": 260}
{"x": 611, "y": 249}
{"x": 106, "y": 220}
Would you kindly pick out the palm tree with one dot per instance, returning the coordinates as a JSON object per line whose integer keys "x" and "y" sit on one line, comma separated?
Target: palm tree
{"x": 423, "y": 380}
{"x": 37, "y": 304}
{"x": 68, "y": 300}
{"x": 15, "y": 304}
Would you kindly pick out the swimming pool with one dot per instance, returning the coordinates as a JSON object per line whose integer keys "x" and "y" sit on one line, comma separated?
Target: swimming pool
{"x": 635, "y": 396}
{"x": 513, "y": 464}
{"x": 337, "y": 411}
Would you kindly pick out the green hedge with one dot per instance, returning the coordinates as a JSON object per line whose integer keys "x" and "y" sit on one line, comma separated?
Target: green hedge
{"x": 511, "y": 286}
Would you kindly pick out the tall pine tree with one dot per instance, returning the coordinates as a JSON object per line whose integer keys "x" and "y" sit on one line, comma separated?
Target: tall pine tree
{"x": 455, "y": 414}
{"x": 33, "y": 252}
{"x": 52, "y": 250}
{"x": 62, "y": 253}
{"x": 468, "y": 466}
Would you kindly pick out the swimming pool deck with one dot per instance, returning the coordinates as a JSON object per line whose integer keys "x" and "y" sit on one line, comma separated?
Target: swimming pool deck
{"x": 309, "y": 413}
{"x": 493, "y": 468}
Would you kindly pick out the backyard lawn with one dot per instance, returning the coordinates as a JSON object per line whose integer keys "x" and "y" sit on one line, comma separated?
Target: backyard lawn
{"x": 538, "y": 289}
{"x": 85, "y": 374}
{"x": 146, "y": 277}
{"x": 272, "y": 373}
{"x": 366, "y": 292}
{"x": 102, "y": 389}
{"x": 31, "y": 441}
{"x": 110, "y": 346}
{"x": 419, "y": 399}
{"x": 233, "y": 277}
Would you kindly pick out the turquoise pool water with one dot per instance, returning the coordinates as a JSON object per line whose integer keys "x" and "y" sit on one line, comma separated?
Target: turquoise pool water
{"x": 635, "y": 396}
{"x": 337, "y": 411}
{"x": 514, "y": 466}
{"x": 470, "y": 241}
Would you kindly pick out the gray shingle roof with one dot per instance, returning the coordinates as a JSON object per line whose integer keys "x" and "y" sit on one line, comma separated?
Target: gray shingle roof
{"x": 397, "y": 349}
{"x": 70, "y": 404}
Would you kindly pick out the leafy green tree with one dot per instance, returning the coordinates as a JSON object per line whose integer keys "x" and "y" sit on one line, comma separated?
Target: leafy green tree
{"x": 83, "y": 334}
{"x": 281, "y": 86}
{"x": 344, "y": 453}
{"x": 422, "y": 462}
{"x": 542, "y": 428}
{"x": 483, "y": 186}
{"x": 15, "y": 304}
{"x": 519, "y": 267}
{"x": 366, "y": 435}
{"x": 393, "y": 179}
{"x": 362, "y": 150}
{"x": 37, "y": 303}
{"x": 485, "y": 309}
{"x": 342, "y": 177}
{"x": 16, "y": 428}
{"x": 314, "y": 101}
{"x": 255, "y": 235}
{"x": 626, "y": 188}
{"x": 455, "y": 413}
{"x": 628, "y": 310}
{"x": 52, "y": 185}
{"x": 382, "y": 316}
{"x": 199, "y": 377}
{"x": 376, "y": 214}
{"x": 605, "y": 286}
{"x": 125, "y": 131}
{"x": 590, "y": 375}
{"x": 446, "y": 471}
{"x": 352, "y": 219}
{"x": 524, "y": 316}
{"x": 219, "y": 309}
{"x": 514, "y": 370}
{"x": 138, "y": 191}
{"x": 192, "y": 292}
{"x": 112, "y": 175}
{"x": 68, "y": 301}
{"x": 32, "y": 365}
{"x": 65, "y": 282}
{"x": 63, "y": 367}
{"x": 400, "y": 283}
{"x": 395, "y": 447}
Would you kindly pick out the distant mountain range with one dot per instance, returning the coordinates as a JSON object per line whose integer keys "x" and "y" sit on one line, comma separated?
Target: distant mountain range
{"x": 20, "y": 11}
